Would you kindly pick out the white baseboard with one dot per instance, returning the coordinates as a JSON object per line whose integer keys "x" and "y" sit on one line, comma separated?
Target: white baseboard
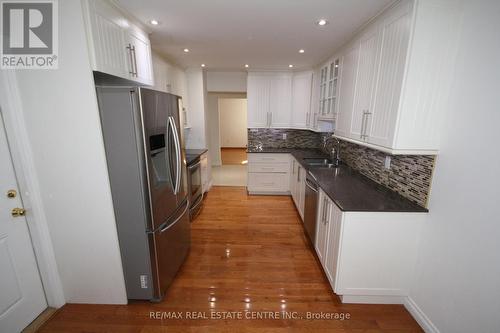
{"x": 420, "y": 316}
{"x": 372, "y": 299}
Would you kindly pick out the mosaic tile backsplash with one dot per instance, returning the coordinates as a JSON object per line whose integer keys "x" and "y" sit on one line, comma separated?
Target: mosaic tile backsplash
{"x": 409, "y": 175}
{"x": 273, "y": 138}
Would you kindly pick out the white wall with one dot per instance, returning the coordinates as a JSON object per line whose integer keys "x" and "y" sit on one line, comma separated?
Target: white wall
{"x": 196, "y": 136}
{"x": 458, "y": 272}
{"x": 213, "y": 131}
{"x": 233, "y": 122}
{"x": 227, "y": 81}
{"x": 62, "y": 120}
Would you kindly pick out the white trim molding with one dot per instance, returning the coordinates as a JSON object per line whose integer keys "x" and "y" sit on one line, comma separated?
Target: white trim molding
{"x": 420, "y": 316}
{"x": 21, "y": 152}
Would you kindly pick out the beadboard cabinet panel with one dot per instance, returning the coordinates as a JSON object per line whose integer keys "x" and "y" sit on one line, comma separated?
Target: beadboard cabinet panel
{"x": 347, "y": 90}
{"x": 365, "y": 81}
{"x": 280, "y": 104}
{"x": 258, "y": 92}
{"x": 301, "y": 99}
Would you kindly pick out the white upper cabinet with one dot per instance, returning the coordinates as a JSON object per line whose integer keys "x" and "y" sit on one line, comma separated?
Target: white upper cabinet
{"x": 280, "y": 101}
{"x": 396, "y": 75}
{"x": 301, "y": 99}
{"x": 365, "y": 79}
{"x": 140, "y": 60}
{"x": 117, "y": 45}
{"x": 328, "y": 94}
{"x": 269, "y": 97}
{"x": 346, "y": 91}
{"x": 258, "y": 91}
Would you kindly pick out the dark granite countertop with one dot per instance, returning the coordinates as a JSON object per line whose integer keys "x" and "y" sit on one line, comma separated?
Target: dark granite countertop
{"x": 193, "y": 154}
{"x": 349, "y": 189}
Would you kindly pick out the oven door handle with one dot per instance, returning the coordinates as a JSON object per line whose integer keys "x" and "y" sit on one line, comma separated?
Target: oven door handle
{"x": 194, "y": 165}
{"x": 198, "y": 202}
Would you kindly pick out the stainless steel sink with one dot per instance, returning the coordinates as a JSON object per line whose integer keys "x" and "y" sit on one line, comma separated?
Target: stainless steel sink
{"x": 320, "y": 162}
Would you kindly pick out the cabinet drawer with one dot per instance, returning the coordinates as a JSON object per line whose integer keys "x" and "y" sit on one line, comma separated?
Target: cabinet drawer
{"x": 269, "y": 167}
{"x": 268, "y": 158}
{"x": 267, "y": 182}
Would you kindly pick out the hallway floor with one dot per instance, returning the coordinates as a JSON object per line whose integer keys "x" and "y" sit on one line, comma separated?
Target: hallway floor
{"x": 249, "y": 255}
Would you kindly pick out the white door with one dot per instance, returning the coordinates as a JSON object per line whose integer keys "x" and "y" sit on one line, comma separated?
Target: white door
{"x": 333, "y": 244}
{"x": 257, "y": 101}
{"x": 280, "y": 105}
{"x": 21, "y": 293}
{"x": 346, "y": 92}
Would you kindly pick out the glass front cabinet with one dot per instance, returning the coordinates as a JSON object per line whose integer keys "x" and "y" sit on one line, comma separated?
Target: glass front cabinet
{"x": 329, "y": 82}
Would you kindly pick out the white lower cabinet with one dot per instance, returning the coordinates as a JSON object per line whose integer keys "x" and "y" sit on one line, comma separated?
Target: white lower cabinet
{"x": 368, "y": 257}
{"x": 298, "y": 185}
{"x": 205, "y": 181}
{"x": 268, "y": 173}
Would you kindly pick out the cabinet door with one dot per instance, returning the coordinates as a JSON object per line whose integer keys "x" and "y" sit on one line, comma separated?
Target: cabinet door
{"x": 204, "y": 172}
{"x": 107, "y": 39}
{"x": 302, "y": 191}
{"x": 347, "y": 90}
{"x": 293, "y": 182}
{"x": 140, "y": 58}
{"x": 395, "y": 33}
{"x": 258, "y": 101}
{"x": 301, "y": 99}
{"x": 369, "y": 47}
{"x": 280, "y": 95}
{"x": 322, "y": 228}
{"x": 333, "y": 244}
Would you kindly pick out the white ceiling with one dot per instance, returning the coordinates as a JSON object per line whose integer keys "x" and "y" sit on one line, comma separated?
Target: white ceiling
{"x": 266, "y": 34}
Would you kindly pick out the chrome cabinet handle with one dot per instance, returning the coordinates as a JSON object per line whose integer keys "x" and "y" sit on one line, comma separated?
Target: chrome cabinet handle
{"x": 367, "y": 114}
{"x": 131, "y": 59}
{"x": 270, "y": 119}
{"x": 135, "y": 61}
{"x": 293, "y": 167}
{"x": 298, "y": 174}
{"x": 362, "y": 129}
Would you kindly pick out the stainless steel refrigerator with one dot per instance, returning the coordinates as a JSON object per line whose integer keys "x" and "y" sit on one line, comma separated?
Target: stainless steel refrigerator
{"x": 147, "y": 171}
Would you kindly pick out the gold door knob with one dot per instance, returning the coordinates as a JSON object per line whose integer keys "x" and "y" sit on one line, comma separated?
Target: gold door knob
{"x": 11, "y": 194}
{"x": 16, "y": 212}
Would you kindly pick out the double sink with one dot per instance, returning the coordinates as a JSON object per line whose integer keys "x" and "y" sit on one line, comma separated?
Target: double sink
{"x": 320, "y": 162}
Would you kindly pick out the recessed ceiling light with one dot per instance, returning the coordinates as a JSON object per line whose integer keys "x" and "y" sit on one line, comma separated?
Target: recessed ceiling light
{"x": 291, "y": 66}
{"x": 154, "y": 22}
{"x": 202, "y": 65}
{"x": 322, "y": 22}
{"x": 302, "y": 51}
{"x": 186, "y": 50}
{"x": 246, "y": 66}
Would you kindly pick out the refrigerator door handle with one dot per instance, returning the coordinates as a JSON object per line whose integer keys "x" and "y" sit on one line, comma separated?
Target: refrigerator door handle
{"x": 178, "y": 152}
{"x": 176, "y": 220}
{"x": 170, "y": 128}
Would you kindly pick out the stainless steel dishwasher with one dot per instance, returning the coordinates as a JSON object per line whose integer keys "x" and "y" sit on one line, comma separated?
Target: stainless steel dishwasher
{"x": 311, "y": 206}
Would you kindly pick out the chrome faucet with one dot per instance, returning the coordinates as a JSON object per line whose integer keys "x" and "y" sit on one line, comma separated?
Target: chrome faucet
{"x": 335, "y": 153}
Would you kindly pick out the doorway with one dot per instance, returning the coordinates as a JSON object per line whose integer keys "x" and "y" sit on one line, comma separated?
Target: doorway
{"x": 227, "y": 130}
{"x": 22, "y": 297}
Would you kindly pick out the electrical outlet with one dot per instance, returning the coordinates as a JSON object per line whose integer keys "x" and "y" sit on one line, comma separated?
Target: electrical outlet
{"x": 387, "y": 163}
{"x": 284, "y": 136}
{"x": 144, "y": 281}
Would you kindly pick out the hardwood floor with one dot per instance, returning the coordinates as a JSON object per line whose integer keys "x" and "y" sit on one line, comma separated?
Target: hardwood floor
{"x": 233, "y": 155}
{"x": 249, "y": 254}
